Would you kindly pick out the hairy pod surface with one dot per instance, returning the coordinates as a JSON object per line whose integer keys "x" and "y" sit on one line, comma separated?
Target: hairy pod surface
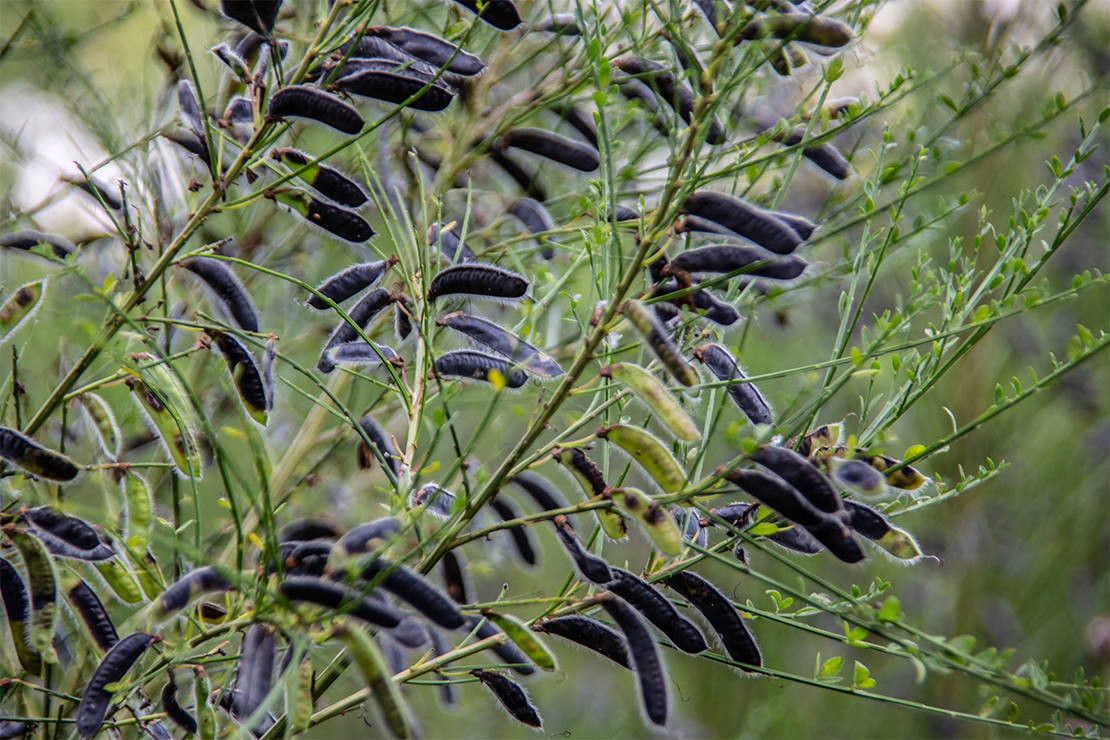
{"x": 382, "y": 442}
{"x": 169, "y": 420}
{"x": 245, "y": 375}
{"x": 907, "y": 477}
{"x": 20, "y": 307}
{"x": 592, "y": 567}
{"x": 93, "y": 614}
{"x": 649, "y": 390}
{"x": 448, "y": 244}
{"x": 413, "y": 588}
{"x": 103, "y": 422}
{"x": 825, "y": 156}
{"x": 361, "y": 315}
{"x": 652, "y": 455}
{"x": 707, "y": 304}
{"x": 561, "y": 24}
{"x": 727, "y": 258}
{"x": 336, "y": 597}
{"x": 478, "y": 280}
{"x": 720, "y": 614}
{"x": 658, "y": 610}
{"x": 811, "y": 29}
{"x": 645, "y": 657}
{"x": 350, "y": 282}
{"x": 470, "y": 365}
{"x": 724, "y": 366}
{"x": 66, "y": 536}
{"x": 367, "y": 536}
{"x": 362, "y": 354}
{"x": 378, "y": 678}
{"x": 503, "y": 342}
{"x": 552, "y": 146}
{"x": 380, "y": 80}
{"x": 309, "y": 528}
{"x": 34, "y": 458}
{"x": 678, "y": 96}
{"x": 801, "y": 474}
{"x": 327, "y": 181}
{"x": 435, "y": 499}
{"x": 857, "y": 475}
{"x": 42, "y": 585}
{"x": 339, "y": 222}
{"x": 743, "y": 218}
{"x": 430, "y": 49}
{"x": 512, "y": 697}
{"x": 656, "y": 338}
{"x": 308, "y": 101}
{"x": 227, "y": 288}
{"x": 589, "y": 477}
{"x": 590, "y": 634}
{"x": 256, "y": 673}
{"x": 113, "y": 667}
{"x": 651, "y": 514}
{"x": 535, "y": 218}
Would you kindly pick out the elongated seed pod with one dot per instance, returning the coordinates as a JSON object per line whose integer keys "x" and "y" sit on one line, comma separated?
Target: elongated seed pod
{"x": 727, "y": 258}
{"x": 448, "y": 244}
{"x": 679, "y": 96}
{"x": 413, "y": 588}
{"x": 223, "y": 282}
{"x": 366, "y": 537}
{"x": 234, "y": 62}
{"x": 256, "y": 673}
{"x": 519, "y": 534}
{"x": 42, "y": 584}
{"x": 298, "y": 694}
{"x": 590, "y": 634}
{"x": 711, "y": 307}
{"x": 561, "y": 24}
{"x": 430, "y": 49}
{"x": 651, "y": 514}
{"x": 308, "y": 101}
{"x": 810, "y": 29}
{"x": 470, "y": 365}
{"x": 361, "y": 315}
{"x": 206, "y": 713}
{"x": 523, "y": 638}
{"x": 649, "y": 390}
{"x": 191, "y": 144}
{"x": 20, "y": 308}
{"x": 257, "y": 15}
{"x": 655, "y": 607}
{"x": 512, "y": 696}
{"x": 503, "y": 342}
{"x": 535, "y": 218}
{"x": 173, "y": 708}
{"x": 103, "y": 422}
{"x": 138, "y": 508}
{"x": 900, "y": 544}
{"x": 386, "y": 449}
{"x": 866, "y": 520}
{"x": 656, "y": 338}
{"x": 378, "y": 678}
{"x": 589, "y": 477}
{"x": 540, "y": 489}
{"x": 328, "y": 181}
{"x": 191, "y": 586}
{"x": 802, "y": 226}
{"x": 306, "y": 558}
{"x": 169, "y": 424}
{"x": 245, "y": 374}
{"x": 581, "y": 122}
{"x": 592, "y": 567}
{"x": 720, "y": 614}
{"x": 501, "y": 14}
{"x": 824, "y": 155}
{"x": 113, "y": 667}
{"x": 361, "y": 354}
{"x": 435, "y": 499}
{"x": 479, "y": 281}
{"x": 907, "y": 478}
{"x": 96, "y": 190}
{"x": 334, "y": 596}
{"x": 339, "y": 222}
{"x": 552, "y": 146}
{"x": 795, "y": 538}
{"x": 120, "y": 580}
{"x": 724, "y": 366}
{"x": 529, "y": 183}
{"x": 95, "y": 617}
{"x": 190, "y": 109}
{"x": 645, "y": 657}
{"x": 66, "y": 536}
{"x": 454, "y": 581}
{"x": 507, "y": 652}
{"x": 350, "y": 282}
{"x": 690, "y": 525}
{"x": 801, "y": 474}
{"x": 34, "y": 458}
{"x": 379, "y": 80}
{"x": 858, "y": 475}
{"x": 649, "y": 452}
{"x": 27, "y": 240}
{"x": 309, "y": 528}
{"x": 17, "y": 607}
{"x": 745, "y": 219}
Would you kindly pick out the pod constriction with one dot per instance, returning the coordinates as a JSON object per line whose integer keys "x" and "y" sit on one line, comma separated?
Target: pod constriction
{"x": 34, "y": 458}
{"x": 645, "y": 658}
{"x": 552, "y": 146}
{"x": 727, "y": 258}
{"x": 478, "y": 280}
{"x": 503, "y": 342}
{"x": 750, "y": 222}
{"x": 658, "y": 610}
{"x": 590, "y": 634}
{"x": 656, "y": 338}
{"x": 724, "y": 366}
{"x": 589, "y": 565}
{"x": 308, "y": 101}
{"x": 223, "y": 282}
{"x": 380, "y": 80}
{"x": 430, "y": 49}
{"x": 470, "y": 365}
{"x": 113, "y": 667}
{"x": 511, "y": 695}
{"x": 66, "y": 536}
{"x": 720, "y": 614}
{"x": 501, "y": 14}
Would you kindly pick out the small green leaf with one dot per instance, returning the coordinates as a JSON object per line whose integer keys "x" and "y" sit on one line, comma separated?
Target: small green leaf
{"x": 952, "y": 167}
{"x": 857, "y": 357}
{"x": 913, "y": 451}
{"x": 1012, "y": 713}
{"x": 831, "y": 667}
{"x": 764, "y": 529}
{"x": 862, "y": 678}
{"x": 982, "y": 313}
{"x": 890, "y": 609}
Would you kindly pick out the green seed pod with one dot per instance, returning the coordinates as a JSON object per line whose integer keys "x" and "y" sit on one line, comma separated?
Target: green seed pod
{"x": 206, "y": 715}
{"x": 662, "y": 528}
{"x": 298, "y": 695}
{"x": 649, "y": 452}
{"x": 651, "y": 392}
{"x": 170, "y": 424}
{"x": 907, "y": 478}
{"x": 901, "y": 544}
{"x": 810, "y": 29}
{"x": 378, "y": 678}
{"x": 138, "y": 509}
{"x": 245, "y": 374}
{"x": 120, "y": 580}
{"x": 17, "y": 607}
{"x": 656, "y": 338}
{"x": 104, "y": 422}
{"x": 589, "y": 477}
{"x": 147, "y": 572}
{"x": 34, "y": 458}
{"x": 42, "y": 581}
{"x": 20, "y": 308}
{"x": 523, "y": 638}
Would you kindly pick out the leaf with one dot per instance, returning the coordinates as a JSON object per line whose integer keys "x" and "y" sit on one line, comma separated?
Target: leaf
{"x": 862, "y": 679}
{"x": 890, "y": 609}
{"x": 1012, "y": 712}
{"x": 831, "y": 667}
{"x": 764, "y": 529}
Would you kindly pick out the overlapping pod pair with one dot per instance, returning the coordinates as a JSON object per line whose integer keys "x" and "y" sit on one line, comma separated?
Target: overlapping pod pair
{"x": 28, "y": 239}
{"x": 361, "y": 314}
{"x": 754, "y": 224}
{"x": 649, "y": 390}
{"x": 116, "y": 664}
{"x": 333, "y": 220}
{"x": 724, "y": 367}
{"x": 492, "y": 336}
{"x": 327, "y": 181}
{"x": 660, "y": 344}
{"x": 555, "y": 147}
{"x": 169, "y": 412}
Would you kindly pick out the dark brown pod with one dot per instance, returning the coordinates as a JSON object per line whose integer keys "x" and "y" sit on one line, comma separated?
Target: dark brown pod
{"x": 86, "y": 603}
{"x": 478, "y": 280}
{"x": 511, "y": 695}
{"x": 257, "y": 15}
{"x": 27, "y": 239}
{"x": 711, "y": 307}
{"x": 801, "y": 474}
{"x": 500, "y": 340}
{"x": 307, "y": 101}
{"x": 726, "y": 258}
{"x": 350, "y": 282}
{"x": 720, "y": 614}
{"x": 223, "y": 282}
{"x": 746, "y": 220}
{"x": 501, "y": 14}
{"x": 552, "y": 146}
{"x": 430, "y": 49}
{"x": 724, "y": 366}
{"x": 113, "y": 667}
{"x": 380, "y": 81}
{"x": 560, "y": 24}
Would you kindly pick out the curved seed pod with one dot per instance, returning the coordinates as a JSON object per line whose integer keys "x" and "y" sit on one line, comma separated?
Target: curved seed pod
{"x": 540, "y": 489}
{"x": 593, "y": 484}
{"x": 26, "y": 240}
{"x": 523, "y": 638}
{"x": 192, "y": 585}
{"x": 17, "y": 607}
{"x": 454, "y": 581}
{"x": 503, "y": 342}
{"x": 66, "y": 536}
{"x": 724, "y": 366}
{"x": 378, "y": 678}
{"x": 256, "y": 673}
{"x": 519, "y": 534}
{"x": 470, "y": 365}
{"x": 645, "y": 657}
{"x": 34, "y": 458}
{"x": 206, "y": 713}
{"x": 656, "y": 338}
{"x": 366, "y": 537}
{"x": 308, "y": 528}
{"x": 793, "y": 538}
{"x": 190, "y": 109}
{"x": 801, "y": 474}
{"x": 138, "y": 508}
{"x": 651, "y": 392}
{"x": 430, "y": 49}
{"x": 448, "y": 244}
{"x": 104, "y": 422}
{"x": 552, "y": 146}
{"x": 339, "y": 222}
{"x": 590, "y": 634}
{"x": 42, "y": 583}
{"x": 382, "y": 442}
{"x": 245, "y": 374}
{"x": 402, "y": 312}
{"x": 907, "y": 478}
{"x": 477, "y": 280}
{"x": 679, "y": 96}
{"x": 720, "y": 614}
{"x": 711, "y": 307}
{"x": 361, "y": 315}
{"x": 535, "y": 218}
{"x": 822, "y": 437}
{"x": 435, "y": 499}
{"x": 512, "y": 696}
{"x": 507, "y": 652}
{"x": 743, "y": 218}
{"x": 309, "y": 101}
{"x": 234, "y": 62}
{"x": 802, "y": 226}
{"x": 334, "y": 596}
{"x": 900, "y": 544}
{"x": 824, "y": 155}
{"x": 651, "y": 514}
{"x": 655, "y": 607}
{"x": 168, "y": 423}
{"x": 528, "y": 182}
{"x": 307, "y": 558}
{"x": 223, "y": 282}
{"x": 418, "y": 592}
{"x": 379, "y": 80}
{"x": 97, "y": 191}
{"x": 501, "y": 14}
{"x": 113, "y": 667}
{"x": 20, "y": 308}
{"x": 350, "y": 282}
{"x": 361, "y": 353}
{"x": 257, "y": 15}
{"x": 589, "y": 565}
{"x": 327, "y": 181}
{"x": 858, "y": 475}
{"x": 649, "y": 452}
{"x": 85, "y": 602}
{"x": 562, "y": 24}
{"x": 582, "y": 123}
{"x": 174, "y": 710}
{"x": 810, "y": 29}
{"x": 727, "y": 258}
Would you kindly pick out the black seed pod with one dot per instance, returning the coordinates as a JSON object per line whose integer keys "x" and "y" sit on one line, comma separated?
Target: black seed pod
{"x": 380, "y": 81}
{"x": 511, "y": 695}
{"x": 96, "y": 190}
{"x": 723, "y": 365}
{"x": 592, "y": 567}
{"x": 720, "y": 614}
{"x": 745, "y": 219}
{"x": 857, "y": 474}
{"x": 219, "y": 277}
{"x": 562, "y": 24}
{"x": 27, "y": 240}
{"x": 531, "y": 212}
{"x": 382, "y": 441}
{"x": 661, "y": 345}
{"x": 17, "y": 607}
{"x": 624, "y": 213}
{"x": 645, "y": 658}
{"x": 866, "y": 520}
{"x": 430, "y": 49}
{"x": 726, "y": 258}
{"x": 66, "y": 536}
{"x": 713, "y": 308}
{"x": 92, "y": 613}
{"x": 245, "y": 374}
{"x": 803, "y": 227}
{"x": 509, "y": 654}
{"x": 113, "y": 667}
{"x": 339, "y": 221}
{"x": 190, "y": 586}
{"x": 501, "y": 14}
{"x": 552, "y": 146}
{"x": 650, "y": 602}
{"x": 361, "y": 353}
{"x": 34, "y": 458}
{"x": 190, "y": 109}
{"x": 328, "y": 181}
{"x": 677, "y": 95}
{"x": 334, "y": 596}
{"x": 362, "y": 314}
{"x": 582, "y": 123}
{"x": 478, "y": 280}
{"x": 540, "y": 489}
{"x": 307, "y": 101}
{"x": 503, "y": 342}
{"x": 469, "y": 365}
{"x": 418, "y": 592}
{"x": 447, "y": 243}
{"x": 801, "y": 474}
{"x": 174, "y": 710}
{"x": 402, "y": 312}
{"x": 239, "y": 110}
{"x": 368, "y": 536}
{"x": 257, "y": 15}
{"x": 590, "y": 634}
{"x": 453, "y": 579}
{"x": 811, "y": 29}
{"x": 825, "y": 156}
{"x": 256, "y": 673}
{"x": 519, "y": 534}
{"x": 300, "y": 530}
